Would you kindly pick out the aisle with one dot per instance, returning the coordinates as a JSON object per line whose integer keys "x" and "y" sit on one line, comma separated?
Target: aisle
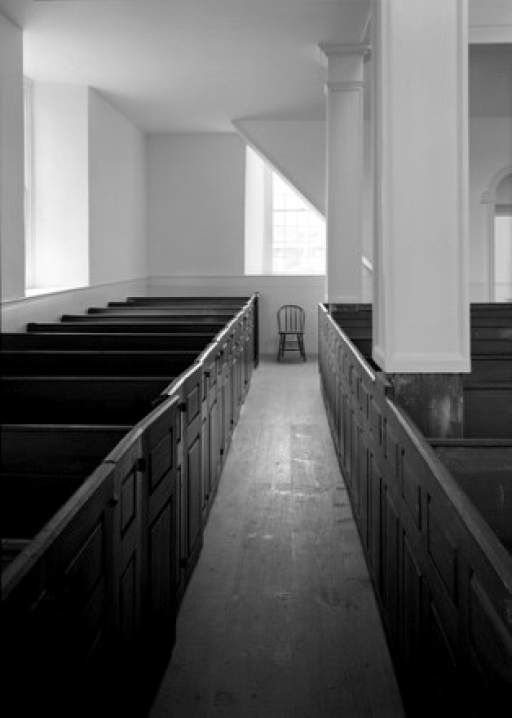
{"x": 279, "y": 620}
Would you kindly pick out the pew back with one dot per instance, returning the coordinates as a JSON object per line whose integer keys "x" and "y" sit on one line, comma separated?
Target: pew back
{"x": 484, "y": 470}
{"x": 75, "y": 400}
{"x": 443, "y": 578}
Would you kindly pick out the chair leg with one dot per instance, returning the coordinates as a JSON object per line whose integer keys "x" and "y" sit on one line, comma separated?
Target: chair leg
{"x": 280, "y": 351}
{"x": 301, "y": 345}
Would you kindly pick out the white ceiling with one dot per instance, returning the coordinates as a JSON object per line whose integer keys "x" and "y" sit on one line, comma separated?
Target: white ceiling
{"x": 189, "y": 65}
{"x": 195, "y": 65}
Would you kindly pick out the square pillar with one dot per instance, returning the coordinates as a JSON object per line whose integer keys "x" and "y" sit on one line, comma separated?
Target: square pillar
{"x": 421, "y": 292}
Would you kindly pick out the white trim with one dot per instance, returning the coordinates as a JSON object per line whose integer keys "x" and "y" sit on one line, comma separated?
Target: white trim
{"x": 414, "y": 363}
{"x": 229, "y": 277}
{"x": 54, "y": 292}
{"x": 337, "y": 49}
{"x": 462, "y": 128}
{"x": 347, "y": 299}
{"x": 352, "y": 86}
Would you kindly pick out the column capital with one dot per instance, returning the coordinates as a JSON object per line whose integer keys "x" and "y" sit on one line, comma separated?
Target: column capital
{"x": 329, "y": 50}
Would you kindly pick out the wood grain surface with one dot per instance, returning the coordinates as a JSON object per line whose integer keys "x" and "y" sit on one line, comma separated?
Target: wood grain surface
{"x": 279, "y": 619}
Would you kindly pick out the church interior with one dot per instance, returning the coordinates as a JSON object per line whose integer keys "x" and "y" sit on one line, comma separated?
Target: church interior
{"x": 256, "y": 351}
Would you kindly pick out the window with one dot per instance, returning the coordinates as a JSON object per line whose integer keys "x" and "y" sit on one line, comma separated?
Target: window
{"x": 28, "y": 181}
{"x": 298, "y": 233}
{"x": 503, "y": 253}
{"x": 283, "y": 234}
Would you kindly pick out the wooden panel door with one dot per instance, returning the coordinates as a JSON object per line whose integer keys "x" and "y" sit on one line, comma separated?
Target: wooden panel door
{"x": 190, "y": 469}
{"x": 128, "y": 545}
{"x": 160, "y": 494}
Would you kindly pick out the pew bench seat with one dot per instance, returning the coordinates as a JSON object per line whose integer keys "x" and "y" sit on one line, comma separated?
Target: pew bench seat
{"x": 484, "y": 471}
{"x": 488, "y": 410}
{"x": 47, "y": 463}
{"x": 110, "y": 326}
{"x": 80, "y": 341}
{"x": 79, "y": 399}
{"x": 46, "y": 362}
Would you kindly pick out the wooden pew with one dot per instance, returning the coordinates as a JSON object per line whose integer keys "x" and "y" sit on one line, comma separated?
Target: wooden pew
{"x": 89, "y": 362}
{"x": 55, "y": 604}
{"x": 443, "y": 578}
{"x": 162, "y": 311}
{"x": 81, "y": 341}
{"x": 490, "y": 368}
{"x": 79, "y": 400}
{"x": 126, "y": 327}
{"x": 483, "y": 468}
{"x": 153, "y": 317}
{"x": 480, "y": 347}
{"x": 189, "y": 390}
{"x": 193, "y": 300}
{"x": 42, "y": 466}
{"x": 128, "y": 536}
{"x": 488, "y": 410}
{"x": 99, "y": 583}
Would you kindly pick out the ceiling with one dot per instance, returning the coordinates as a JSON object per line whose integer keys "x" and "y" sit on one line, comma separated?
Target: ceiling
{"x": 189, "y": 65}
{"x": 195, "y": 65}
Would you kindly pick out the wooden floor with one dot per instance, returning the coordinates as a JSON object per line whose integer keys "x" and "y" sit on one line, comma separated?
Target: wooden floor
{"x": 279, "y": 620}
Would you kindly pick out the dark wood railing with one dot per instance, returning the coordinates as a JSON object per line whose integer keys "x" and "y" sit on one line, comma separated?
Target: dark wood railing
{"x": 442, "y": 577}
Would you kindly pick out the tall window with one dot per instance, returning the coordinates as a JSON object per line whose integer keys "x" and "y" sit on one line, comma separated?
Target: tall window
{"x": 298, "y": 233}
{"x": 28, "y": 181}
{"x": 503, "y": 253}
{"x": 283, "y": 233}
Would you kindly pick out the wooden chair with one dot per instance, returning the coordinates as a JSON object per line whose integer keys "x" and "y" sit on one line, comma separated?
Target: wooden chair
{"x": 290, "y": 321}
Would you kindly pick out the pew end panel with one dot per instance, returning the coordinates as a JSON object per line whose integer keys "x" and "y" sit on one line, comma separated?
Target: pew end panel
{"x": 55, "y": 600}
{"x": 189, "y": 389}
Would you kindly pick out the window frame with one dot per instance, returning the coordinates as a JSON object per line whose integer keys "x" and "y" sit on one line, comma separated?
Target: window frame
{"x": 28, "y": 181}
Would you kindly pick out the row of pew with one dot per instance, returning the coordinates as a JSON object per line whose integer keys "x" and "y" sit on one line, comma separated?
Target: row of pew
{"x": 434, "y": 512}
{"x": 115, "y": 429}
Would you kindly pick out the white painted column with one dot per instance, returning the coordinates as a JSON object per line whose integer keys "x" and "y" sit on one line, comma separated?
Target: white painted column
{"x": 344, "y": 91}
{"x": 421, "y": 306}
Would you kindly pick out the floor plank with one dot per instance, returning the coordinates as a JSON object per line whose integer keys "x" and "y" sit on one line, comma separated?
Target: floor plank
{"x": 279, "y": 620}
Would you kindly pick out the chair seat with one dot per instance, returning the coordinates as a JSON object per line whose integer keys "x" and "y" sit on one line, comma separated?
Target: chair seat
{"x": 290, "y": 322}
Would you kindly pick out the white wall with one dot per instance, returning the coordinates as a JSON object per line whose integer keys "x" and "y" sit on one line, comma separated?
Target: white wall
{"x": 196, "y": 204}
{"x": 60, "y": 256}
{"x": 117, "y": 195}
{"x": 12, "y": 231}
{"x": 196, "y": 230}
{"x": 296, "y": 149}
{"x": 490, "y": 152}
{"x": 274, "y": 291}
{"x": 256, "y": 179}
{"x": 49, "y": 307}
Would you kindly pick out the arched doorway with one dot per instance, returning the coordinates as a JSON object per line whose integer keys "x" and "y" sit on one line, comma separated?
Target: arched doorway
{"x": 499, "y": 202}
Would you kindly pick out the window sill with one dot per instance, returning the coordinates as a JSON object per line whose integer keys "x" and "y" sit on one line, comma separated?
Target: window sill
{"x": 36, "y": 291}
